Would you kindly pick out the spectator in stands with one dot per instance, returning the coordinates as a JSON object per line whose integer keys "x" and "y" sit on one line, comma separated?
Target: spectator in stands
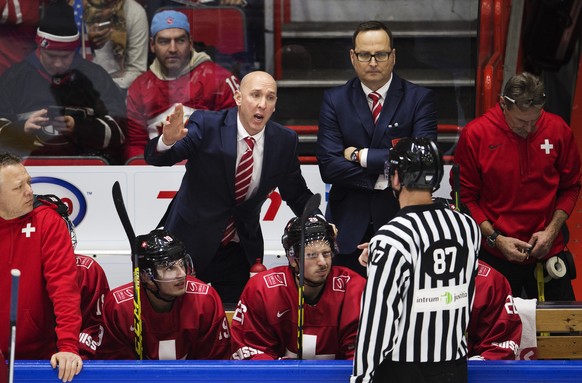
{"x": 264, "y": 325}
{"x": 36, "y": 241}
{"x": 254, "y": 13}
{"x": 221, "y": 228}
{"x": 18, "y": 29}
{"x": 178, "y": 74}
{"x": 520, "y": 180}
{"x": 121, "y": 46}
{"x": 355, "y": 133}
{"x": 494, "y": 331}
{"x": 182, "y": 317}
{"x": 56, "y": 103}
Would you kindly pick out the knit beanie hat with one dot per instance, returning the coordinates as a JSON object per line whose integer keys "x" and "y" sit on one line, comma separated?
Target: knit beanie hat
{"x": 169, "y": 19}
{"x": 57, "y": 29}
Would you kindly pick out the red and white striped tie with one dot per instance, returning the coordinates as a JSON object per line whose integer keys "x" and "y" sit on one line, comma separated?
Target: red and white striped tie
{"x": 376, "y": 105}
{"x": 242, "y": 182}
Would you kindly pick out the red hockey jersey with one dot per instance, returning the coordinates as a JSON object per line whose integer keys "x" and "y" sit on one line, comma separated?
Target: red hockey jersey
{"x": 494, "y": 330}
{"x": 264, "y": 325}
{"x": 93, "y": 284}
{"x": 195, "y": 328}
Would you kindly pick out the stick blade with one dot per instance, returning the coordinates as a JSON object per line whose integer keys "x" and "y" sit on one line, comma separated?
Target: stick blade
{"x": 311, "y": 205}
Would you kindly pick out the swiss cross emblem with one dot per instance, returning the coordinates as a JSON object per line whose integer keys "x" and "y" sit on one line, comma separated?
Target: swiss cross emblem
{"x": 547, "y": 146}
{"x": 28, "y": 230}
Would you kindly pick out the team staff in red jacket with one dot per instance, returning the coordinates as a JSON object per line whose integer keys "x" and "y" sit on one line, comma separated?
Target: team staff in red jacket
{"x": 520, "y": 180}
{"x": 37, "y": 242}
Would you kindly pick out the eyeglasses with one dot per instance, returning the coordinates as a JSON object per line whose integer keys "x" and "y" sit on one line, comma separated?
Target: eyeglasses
{"x": 367, "y": 56}
{"x": 538, "y": 101}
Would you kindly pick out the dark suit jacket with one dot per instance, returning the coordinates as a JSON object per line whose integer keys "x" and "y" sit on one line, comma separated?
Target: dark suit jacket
{"x": 206, "y": 200}
{"x": 345, "y": 120}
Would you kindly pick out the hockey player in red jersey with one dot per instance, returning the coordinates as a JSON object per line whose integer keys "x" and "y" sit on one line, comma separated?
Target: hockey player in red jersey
{"x": 182, "y": 317}
{"x": 494, "y": 330}
{"x": 264, "y": 325}
{"x": 91, "y": 281}
{"x": 94, "y": 287}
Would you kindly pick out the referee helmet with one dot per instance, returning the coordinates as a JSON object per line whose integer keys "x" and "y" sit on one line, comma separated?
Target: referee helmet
{"x": 418, "y": 161}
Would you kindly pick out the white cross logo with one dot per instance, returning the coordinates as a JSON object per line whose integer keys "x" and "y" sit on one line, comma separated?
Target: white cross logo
{"x": 28, "y": 229}
{"x": 547, "y": 146}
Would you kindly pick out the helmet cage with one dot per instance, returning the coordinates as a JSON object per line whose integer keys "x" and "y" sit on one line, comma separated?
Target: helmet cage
{"x": 418, "y": 161}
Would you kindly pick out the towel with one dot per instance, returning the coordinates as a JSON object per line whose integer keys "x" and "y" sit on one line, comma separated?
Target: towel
{"x": 528, "y": 345}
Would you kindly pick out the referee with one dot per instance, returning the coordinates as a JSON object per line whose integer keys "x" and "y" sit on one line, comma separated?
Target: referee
{"x": 421, "y": 279}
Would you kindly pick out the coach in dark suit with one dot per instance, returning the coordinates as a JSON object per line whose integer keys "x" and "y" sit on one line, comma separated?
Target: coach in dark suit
{"x": 213, "y": 143}
{"x": 356, "y": 130}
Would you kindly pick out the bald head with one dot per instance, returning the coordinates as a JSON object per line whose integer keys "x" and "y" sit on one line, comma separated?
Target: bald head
{"x": 257, "y": 78}
{"x": 256, "y": 100}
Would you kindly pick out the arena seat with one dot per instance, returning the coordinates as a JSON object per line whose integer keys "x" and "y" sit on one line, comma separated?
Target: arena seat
{"x": 222, "y": 27}
{"x": 64, "y": 161}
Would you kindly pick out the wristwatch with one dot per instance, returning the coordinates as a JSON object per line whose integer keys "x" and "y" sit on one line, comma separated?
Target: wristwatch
{"x": 492, "y": 238}
{"x": 354, "y": 156}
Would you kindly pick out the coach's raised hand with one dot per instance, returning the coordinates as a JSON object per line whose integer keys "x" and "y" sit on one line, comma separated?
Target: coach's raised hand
{"x": 174, "y": 129}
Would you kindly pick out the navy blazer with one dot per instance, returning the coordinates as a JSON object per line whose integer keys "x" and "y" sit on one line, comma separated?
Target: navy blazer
{"x": 345, "y": 120}
{"x": 205, "y": 200}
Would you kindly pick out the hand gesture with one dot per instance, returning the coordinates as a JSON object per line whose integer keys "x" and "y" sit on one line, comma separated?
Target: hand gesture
{"x": 174, "y": 129}
{"x": 70, "y": 364}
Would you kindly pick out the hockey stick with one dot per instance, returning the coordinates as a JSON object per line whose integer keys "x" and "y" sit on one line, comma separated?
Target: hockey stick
{"x": 457, "y": 187}
{"x": 310, "y": 206}
{"x": 13, "y": 310}
{"x": 137, "y": 322}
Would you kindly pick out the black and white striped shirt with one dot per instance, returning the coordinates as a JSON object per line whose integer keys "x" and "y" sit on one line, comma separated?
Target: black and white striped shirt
{"x": 421, "y": 282}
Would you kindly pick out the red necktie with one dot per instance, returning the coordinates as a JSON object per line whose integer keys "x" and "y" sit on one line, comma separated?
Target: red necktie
{"x": 376, "y": 105}
{"x": 242, "y": 181}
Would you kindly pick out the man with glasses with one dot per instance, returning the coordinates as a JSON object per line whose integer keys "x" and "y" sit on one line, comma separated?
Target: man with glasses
{"x": 264, "y": 325}
{"x": 520, "y": 180}
{"x": 359, "y": 121}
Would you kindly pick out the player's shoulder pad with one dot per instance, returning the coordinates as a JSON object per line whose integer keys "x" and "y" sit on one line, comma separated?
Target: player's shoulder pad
{"x": 123, "y": 295}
